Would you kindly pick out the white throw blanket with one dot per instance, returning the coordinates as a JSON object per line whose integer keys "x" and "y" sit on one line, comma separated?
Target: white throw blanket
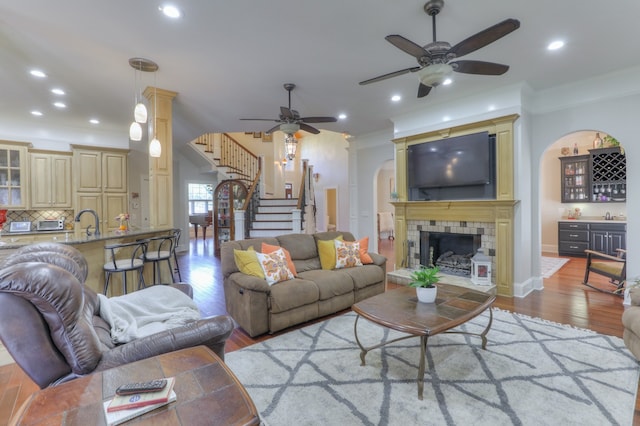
{"x": 147, "y": 312}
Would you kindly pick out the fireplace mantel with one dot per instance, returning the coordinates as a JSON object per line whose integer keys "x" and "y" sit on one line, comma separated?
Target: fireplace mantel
{"x": 500, "y": 211}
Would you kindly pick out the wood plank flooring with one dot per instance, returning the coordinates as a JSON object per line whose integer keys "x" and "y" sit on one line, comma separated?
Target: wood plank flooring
{"x": 564, "y": 300}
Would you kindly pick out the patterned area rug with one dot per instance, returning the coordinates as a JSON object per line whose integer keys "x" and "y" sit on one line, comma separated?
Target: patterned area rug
{"x": 533, "y": 372}
{"x": 551, "y": 265}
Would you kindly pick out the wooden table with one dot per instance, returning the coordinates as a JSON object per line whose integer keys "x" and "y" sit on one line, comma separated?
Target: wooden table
{"x": 207, "y": 392}
{"x": 400, "y": 310}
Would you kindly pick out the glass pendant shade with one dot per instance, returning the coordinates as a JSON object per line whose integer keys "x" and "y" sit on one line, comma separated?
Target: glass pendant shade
{"x": 290, "y": 146}
{"x": 140, "y": 113}
{"x": 155, "y": 148}
{"x": 135, "y": 132}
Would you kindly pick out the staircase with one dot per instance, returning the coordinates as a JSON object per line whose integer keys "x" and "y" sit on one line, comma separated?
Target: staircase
{"x": 231, "y": 160}
{"x": 273, "y": 217}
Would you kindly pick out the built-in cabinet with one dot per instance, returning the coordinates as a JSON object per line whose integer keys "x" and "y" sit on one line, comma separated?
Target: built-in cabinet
{"x": 100, "y": 183}
{"x": 228, "y": 196}
{"x": 13, "y": 180}
{"x": 576, "y": 237}
{"x": 599, "y": 177}
{"x": 50, "y": 180}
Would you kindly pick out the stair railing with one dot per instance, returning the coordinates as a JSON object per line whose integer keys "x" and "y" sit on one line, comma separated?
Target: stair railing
{"x": 241, "y": 163}
{"x": 252, "y": 201}
{"x": 302, "y": 192}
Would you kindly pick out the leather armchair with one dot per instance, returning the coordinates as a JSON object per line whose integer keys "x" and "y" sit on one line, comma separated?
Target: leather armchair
{"x": 50, "y": 322}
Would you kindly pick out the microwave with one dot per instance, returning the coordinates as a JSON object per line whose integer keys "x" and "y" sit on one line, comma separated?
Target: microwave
{"x": 50, "y": 225}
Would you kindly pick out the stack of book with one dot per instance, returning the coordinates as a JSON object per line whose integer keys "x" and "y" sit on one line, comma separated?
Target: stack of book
{"x": 125, "y": 407}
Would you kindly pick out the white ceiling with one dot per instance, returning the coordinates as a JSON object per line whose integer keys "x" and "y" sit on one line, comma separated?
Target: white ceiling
{"x": 229, "y": 59}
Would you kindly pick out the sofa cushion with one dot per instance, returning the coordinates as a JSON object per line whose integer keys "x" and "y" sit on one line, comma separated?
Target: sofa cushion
{"x": 327, "y": 252}
{"x": 330, "y": 283}
{"x": 287, "y": 295}
{"x": 304, "y": 252}
{"x": 365, "y": 275}
{"x": 274, "y": 266}
{"x": 247, "y": 262}
{"x": 268, "y": 248}
{"x": 347, "y": 254}
{"x": 227, "y": 260}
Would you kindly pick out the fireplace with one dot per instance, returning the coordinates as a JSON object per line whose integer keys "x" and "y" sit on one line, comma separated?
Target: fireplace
{"x": 451, "y": 252}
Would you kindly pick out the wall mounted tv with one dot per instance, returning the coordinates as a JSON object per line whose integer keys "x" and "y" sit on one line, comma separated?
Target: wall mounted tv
{"x": 459, "y": 168}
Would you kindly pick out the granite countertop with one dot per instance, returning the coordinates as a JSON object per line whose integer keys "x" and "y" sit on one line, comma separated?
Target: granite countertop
{"x": 16, "y": 240}
{"x": 596, "y": 219}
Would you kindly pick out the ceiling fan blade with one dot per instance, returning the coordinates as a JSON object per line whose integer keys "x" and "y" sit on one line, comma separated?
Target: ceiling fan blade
{"x": 479, "y": 67}
{"x": 309, "y": 129}
{"x": 423, "y": 90}
{"x": 286, "y": 112}
{"x": 485, "y": 37}
{"x": 258, "y": 119}
{"x": 407, "y": 46}
{"x": 319, "y": 119}
{"x": 273, "y": 129}
{"x": 391, "y": 74}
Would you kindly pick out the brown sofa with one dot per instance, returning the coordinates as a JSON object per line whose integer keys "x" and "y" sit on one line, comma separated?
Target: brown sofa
{"x": 259, "y": 308}
{"x": 50, "y": 322}
{"x": 631, "y": 323}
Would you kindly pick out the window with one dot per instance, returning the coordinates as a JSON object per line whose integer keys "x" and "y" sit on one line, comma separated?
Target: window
{"x": 200, "y": 198}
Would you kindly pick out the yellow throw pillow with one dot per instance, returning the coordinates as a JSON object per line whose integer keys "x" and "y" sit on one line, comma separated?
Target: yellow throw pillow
{"x": 347, "y": 254}
{"x": 274, "y": 267}
{"x": 247, "y": 262}
{"x": 327, "y": 252}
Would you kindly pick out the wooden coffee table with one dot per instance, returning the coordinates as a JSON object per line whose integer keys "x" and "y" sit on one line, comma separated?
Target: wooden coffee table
{"x": 400, "y": 310}
{"x": 207, "y": 393}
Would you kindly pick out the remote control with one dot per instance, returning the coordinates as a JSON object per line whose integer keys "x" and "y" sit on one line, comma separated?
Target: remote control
{"x": 142, "y": 387}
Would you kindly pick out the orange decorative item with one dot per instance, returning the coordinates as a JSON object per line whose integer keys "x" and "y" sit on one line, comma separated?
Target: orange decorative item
{"x": 123, "y": 218}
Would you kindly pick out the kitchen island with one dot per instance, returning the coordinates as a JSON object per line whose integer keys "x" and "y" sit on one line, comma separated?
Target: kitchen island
{"x": 92, "y": 248}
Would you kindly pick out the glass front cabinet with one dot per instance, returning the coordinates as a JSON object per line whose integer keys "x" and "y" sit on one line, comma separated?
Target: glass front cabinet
{"x": 228, "y": 196}
{"x": 575, "y": 179}
{"x": 13, "y": 181}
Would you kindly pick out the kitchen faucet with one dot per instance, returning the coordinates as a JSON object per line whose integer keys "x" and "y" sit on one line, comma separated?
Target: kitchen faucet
{"x": 95, "y": 215}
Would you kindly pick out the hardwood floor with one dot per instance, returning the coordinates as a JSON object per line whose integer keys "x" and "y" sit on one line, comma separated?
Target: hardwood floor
{"x": 563, "y": 300}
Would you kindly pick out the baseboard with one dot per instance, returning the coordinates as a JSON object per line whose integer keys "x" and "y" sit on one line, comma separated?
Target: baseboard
{"x": 523, "y": 289}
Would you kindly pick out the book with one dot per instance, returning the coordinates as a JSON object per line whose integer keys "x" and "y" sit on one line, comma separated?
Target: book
{"x": 125, "y": 402}
{"x": 117, "y": 417}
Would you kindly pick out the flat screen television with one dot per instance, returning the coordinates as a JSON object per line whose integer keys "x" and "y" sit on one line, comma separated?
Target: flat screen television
{"x": 459, "y": 168}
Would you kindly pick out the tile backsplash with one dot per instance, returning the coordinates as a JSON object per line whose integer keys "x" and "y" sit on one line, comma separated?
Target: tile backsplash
{"x": 34, "y": 216}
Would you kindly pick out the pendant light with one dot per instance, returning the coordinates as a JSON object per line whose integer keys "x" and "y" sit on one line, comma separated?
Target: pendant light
{"x": 155, "y": 148}
{"x": 290, "y": 146}
{"x": 140, "y": 110}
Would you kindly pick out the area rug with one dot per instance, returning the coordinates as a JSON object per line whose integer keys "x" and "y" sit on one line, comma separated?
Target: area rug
{"x": 532, "y": 372}
{"x": 551, "y": 265}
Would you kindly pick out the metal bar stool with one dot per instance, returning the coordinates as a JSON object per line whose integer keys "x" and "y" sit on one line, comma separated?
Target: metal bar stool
{"x": 124, "y": 258}
{"x": 159, "y": 249}
{"x": 176, "y": 242}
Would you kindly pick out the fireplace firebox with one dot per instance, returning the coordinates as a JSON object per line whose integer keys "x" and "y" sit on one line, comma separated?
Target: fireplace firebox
{"x": 451, "y": 252}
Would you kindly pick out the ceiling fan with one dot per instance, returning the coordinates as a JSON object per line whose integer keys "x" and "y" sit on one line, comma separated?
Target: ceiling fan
{"x": 290, "y": 120}
{"x": 435, "y": 59}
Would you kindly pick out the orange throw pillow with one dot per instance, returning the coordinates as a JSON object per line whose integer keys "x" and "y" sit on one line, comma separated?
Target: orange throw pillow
{"x": 364, "y": 249}
{"x": 268, "y": 248}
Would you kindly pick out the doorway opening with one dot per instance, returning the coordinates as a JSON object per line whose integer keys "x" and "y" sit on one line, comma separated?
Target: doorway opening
{"x": 331, "y": 209}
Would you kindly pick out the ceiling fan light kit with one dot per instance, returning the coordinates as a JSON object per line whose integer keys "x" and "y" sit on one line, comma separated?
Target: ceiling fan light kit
{"x": 436, "y": 59}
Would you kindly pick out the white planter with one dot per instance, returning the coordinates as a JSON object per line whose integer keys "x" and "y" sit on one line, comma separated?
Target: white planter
{"x": 426, "y": 294}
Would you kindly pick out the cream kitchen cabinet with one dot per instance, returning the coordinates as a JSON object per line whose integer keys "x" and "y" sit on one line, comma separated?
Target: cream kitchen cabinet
{"x": 50, "y": 180}
{"x": 100, "y": 184}
{"x": 13, "y": 176}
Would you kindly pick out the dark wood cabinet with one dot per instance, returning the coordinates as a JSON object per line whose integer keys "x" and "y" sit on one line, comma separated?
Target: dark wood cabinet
{"x": 228, "y": 196}
{"x": 576, "y": 183}
{"x": 608, "y": 238}
{"x": 576, "y": 237}
{"x": 573, "y": 238}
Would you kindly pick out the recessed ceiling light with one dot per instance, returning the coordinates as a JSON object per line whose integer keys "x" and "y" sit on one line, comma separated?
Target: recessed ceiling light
{"x": 57, "y": 91}
{"x": 447, "y": 82}
{"x": 170, "y": 11}
{"x": 396, "y": 98}
{"x": 59, "y": 105}
{"x": 555, "y": 45}
{"x": 37, "y": 73}
{"x": 342, "y": 116}
{"x": 36, "y": 113}
{"x": 94, "y": 121}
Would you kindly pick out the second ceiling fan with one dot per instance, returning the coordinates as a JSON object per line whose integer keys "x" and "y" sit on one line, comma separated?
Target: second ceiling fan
{"x": 435, "y": 59}
{"x": 289, "y": 120}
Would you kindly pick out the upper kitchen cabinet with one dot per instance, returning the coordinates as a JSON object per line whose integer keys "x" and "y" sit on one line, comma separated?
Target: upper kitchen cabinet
{"x": 575, "y": 178}
{"x": 50, "y": 180}
{"x": 13, "y": 175}
{"x": 100, "y": 170}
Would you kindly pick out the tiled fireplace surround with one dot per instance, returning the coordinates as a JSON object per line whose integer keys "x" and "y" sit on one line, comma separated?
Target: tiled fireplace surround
{"x": 485, "y": 229}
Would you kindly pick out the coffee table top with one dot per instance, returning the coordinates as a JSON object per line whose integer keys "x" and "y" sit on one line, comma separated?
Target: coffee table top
{"x": 400, "y": 310}
{"x": 207, "y": 393}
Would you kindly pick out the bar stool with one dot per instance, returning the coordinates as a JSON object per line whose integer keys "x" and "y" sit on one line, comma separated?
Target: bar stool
{"x": 129, "y": 259}
{"x": 176, "y": 242}
{"x": 159, "y": 249}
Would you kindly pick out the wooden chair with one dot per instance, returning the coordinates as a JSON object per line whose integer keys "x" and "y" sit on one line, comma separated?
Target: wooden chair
{"x": 612, "y": 267}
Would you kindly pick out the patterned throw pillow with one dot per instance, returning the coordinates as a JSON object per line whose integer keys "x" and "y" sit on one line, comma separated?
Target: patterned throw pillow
{"x": 347, "y": 254}
{"x": 268, "y": 248}
{"x": 274, "y": 266}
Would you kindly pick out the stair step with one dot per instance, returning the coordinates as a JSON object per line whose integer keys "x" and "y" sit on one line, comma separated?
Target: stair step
{"x": 292, "y": 202}
{"x": 271, "y": 224}
{"x": 275, "y": 209}
{"x": 273, "y": 216}
{"x": 259, "y": 233}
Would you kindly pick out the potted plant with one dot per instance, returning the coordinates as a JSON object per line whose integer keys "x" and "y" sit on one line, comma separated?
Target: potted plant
{"x": 424, "y": 281}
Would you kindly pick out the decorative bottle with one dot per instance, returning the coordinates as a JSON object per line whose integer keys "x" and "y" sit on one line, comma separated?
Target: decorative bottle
{"x": 575, "y": 149}
{"x": 597, "y": 142}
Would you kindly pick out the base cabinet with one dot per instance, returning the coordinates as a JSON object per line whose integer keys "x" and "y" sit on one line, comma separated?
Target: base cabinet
{"x": 576, "y": 237}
